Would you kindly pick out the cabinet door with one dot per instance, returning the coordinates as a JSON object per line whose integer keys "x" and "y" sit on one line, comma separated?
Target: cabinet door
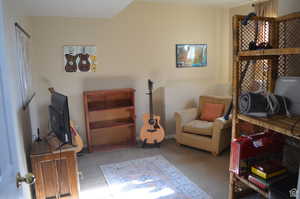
{"x": 56, "y": 174}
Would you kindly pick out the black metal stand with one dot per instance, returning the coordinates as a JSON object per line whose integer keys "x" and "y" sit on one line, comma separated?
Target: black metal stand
{"x": 146, "y": 145}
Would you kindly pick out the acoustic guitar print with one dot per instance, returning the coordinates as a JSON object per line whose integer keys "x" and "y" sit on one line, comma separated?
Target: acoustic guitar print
{"x": 84, "y": 64}
{"x": 71, "y": 65}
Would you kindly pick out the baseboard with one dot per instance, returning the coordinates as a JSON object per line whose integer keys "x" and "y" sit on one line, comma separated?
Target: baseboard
{"x": 170, "y": 136}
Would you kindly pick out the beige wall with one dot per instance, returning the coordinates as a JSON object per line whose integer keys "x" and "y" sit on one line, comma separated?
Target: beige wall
{"x": 288, "y": 6}
{"x": 136, "y": 45}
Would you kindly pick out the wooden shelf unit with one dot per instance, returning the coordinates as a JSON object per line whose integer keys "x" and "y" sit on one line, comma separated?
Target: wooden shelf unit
{"x": 270, "y": 64}
{"x": 110, "y": 118}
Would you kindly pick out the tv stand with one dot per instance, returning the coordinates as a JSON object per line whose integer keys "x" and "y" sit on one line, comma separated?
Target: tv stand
{"x": 55, "y": 144}
{"x": 55, "y": 169}
{"x": 51, "y": 133}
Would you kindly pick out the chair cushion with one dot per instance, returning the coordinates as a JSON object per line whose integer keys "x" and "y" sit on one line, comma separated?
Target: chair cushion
{"x": 199, "y": 127}
{"x": 211, "y": 111}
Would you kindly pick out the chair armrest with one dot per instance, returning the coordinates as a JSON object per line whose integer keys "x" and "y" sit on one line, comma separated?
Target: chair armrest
{"x": 183, "y": 117}
{"x": 186, "y": 115}
{"x": 221, "y": 134}
{"x": 220, "y": 123}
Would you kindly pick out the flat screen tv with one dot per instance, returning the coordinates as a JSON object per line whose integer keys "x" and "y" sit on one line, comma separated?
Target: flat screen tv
{"x": 59, "y": 117}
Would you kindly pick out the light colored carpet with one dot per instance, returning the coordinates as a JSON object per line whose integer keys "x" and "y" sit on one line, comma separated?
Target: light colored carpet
{"x": 208, "y": 172}
{"x": 149, "y": 178}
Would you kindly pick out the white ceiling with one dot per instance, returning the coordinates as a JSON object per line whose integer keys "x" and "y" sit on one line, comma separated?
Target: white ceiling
{"x": 226, "y": 3}
{"x": 76, "y": 8}
{"x": 101, "y": 8}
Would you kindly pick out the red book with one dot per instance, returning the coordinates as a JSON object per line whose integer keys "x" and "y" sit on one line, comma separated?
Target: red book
{"x": 257, "y": 182}
{"x": 262, "y": 183}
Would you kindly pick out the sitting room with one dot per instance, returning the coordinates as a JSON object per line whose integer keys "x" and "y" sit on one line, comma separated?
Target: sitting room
{"x": 151, "y": 99}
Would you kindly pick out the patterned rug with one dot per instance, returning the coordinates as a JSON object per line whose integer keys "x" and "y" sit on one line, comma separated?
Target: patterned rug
{"x": 149, "y": 178}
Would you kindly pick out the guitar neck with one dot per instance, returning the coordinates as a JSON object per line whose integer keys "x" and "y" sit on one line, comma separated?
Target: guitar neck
{"x": 150, "y": 87}
{"x": 150, "y": 105}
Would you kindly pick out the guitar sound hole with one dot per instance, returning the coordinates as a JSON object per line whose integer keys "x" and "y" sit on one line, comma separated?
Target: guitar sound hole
{"x": 151, "y": 121}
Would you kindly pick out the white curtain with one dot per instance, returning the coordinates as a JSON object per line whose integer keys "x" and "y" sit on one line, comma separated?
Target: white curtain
{"x": 267, "y": 8}
{"x": 24, "y": 73}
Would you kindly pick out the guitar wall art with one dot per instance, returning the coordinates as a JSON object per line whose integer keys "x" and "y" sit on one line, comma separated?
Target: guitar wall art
{"x": 80, "y": 58}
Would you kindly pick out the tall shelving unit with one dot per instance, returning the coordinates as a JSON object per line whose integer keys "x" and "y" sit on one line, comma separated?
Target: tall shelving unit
{"x": 282, "y": 60}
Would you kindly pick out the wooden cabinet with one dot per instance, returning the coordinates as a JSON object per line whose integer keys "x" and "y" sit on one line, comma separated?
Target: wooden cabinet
{"x": 110, "y": 118}
{"x": 56, "y": 172}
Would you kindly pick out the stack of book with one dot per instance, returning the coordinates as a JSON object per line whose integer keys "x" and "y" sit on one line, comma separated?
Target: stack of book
{"x": 267, "y": 173}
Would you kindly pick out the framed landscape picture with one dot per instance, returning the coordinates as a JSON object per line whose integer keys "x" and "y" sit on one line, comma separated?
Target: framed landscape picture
{"x": 191, "y": 55}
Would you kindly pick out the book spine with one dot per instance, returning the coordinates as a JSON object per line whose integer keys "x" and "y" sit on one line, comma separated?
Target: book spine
{"x": 258, "y": 172}
{"x": 257, "y": 182}
{"x": 265, "y": 175}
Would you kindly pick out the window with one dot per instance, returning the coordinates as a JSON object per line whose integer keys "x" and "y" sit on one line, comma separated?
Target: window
{"x": 24, "y": 73}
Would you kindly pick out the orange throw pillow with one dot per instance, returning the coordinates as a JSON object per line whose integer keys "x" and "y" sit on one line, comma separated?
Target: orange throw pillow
{"x": 211, "y": 111}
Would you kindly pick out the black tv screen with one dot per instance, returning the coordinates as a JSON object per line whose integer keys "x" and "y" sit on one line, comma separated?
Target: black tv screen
{"x": 59, "y": 117}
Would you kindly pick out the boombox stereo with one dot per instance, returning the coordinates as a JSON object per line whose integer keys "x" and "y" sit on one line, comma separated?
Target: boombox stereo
{"x": 289, "y": 87}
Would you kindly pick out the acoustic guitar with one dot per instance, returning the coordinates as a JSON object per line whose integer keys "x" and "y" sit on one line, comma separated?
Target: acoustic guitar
{"x": 152, "y": 131}
{"x": 84, "y": 64}
{"x": 76, "y": 138}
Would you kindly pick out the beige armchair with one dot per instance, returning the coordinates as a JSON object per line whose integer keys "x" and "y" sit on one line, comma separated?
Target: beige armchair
{"x": 210, "y": 136}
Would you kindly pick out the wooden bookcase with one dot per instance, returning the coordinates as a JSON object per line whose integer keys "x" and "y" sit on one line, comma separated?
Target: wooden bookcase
{"x": 109, "y": 118}
{"x": 282, "y": 60}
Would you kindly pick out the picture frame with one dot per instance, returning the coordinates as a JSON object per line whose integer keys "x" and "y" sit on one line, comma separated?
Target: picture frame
{"x": 191, "y": 55}
{"x": 80, "y": 58}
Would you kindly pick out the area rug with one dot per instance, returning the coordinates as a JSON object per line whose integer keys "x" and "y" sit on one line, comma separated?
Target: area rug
{"x": 149, "y": 178}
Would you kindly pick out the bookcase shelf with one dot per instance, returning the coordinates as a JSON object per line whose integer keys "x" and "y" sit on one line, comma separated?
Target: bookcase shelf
{"x": 111, "y": 123}
{"x": 104, "y": 105}
{"x": 110, "y": 118}
{"x": 100, "y": 130}
{"x": 269, "y": 52}
{"x": 281, "y": 124}
{"x": 111, "y": 109}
